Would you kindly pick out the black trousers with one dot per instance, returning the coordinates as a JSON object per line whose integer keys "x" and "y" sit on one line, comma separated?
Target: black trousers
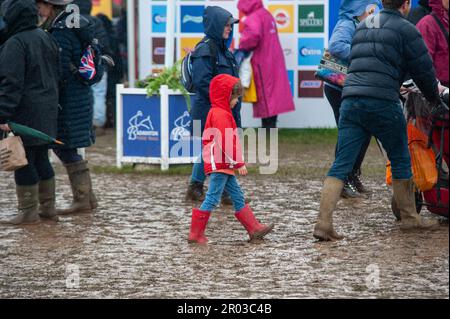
{"x": 269, "y": 122}
{"x": 38, "y": 168}
{"x": 334, "y": 97}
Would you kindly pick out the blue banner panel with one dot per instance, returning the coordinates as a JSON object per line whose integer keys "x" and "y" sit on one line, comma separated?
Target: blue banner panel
{"x": 141, "y": 126}
{"x": 180, "y": 141}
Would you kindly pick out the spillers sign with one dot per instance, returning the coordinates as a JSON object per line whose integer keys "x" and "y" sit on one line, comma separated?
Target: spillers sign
{"x": 311, "y": 18}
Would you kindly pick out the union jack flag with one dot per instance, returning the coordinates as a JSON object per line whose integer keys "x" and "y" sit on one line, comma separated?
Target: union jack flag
{"x": 87, "y": 65}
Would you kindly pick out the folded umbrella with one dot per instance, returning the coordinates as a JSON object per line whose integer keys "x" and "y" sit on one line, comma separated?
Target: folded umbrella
{"x": 31, "y": 132}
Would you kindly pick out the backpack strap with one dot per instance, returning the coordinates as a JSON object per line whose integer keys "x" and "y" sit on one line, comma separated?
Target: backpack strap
{"x": 444, "y": 31}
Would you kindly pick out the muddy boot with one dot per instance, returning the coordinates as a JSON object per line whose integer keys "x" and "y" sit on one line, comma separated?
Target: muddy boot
{"x": 198, "y": 226}
{"x": 255, "y": 229}
{"x": 357, "y": 183}
{"x": 406, "y": 203}
{"x": 349, "y": 190}
{"x": 92, "y": 198}
{"x": 47, "y": 199}
{"x": 195, "y": 192}
{"x": 331, "y": 192}
{"x": 80, "y": 181}
{"x": 28, "y": 200}
{"x": 227, "y": 201}
{"x": 395, "y": 209}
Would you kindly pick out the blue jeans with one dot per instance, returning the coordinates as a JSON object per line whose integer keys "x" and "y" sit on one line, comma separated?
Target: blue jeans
{"x": 334, "y": 97}
{"x": 362, "y": 117}
{"x": 218, "y": 183}
{"x": 99, "y": 91}
{"x": 198, "y": 171}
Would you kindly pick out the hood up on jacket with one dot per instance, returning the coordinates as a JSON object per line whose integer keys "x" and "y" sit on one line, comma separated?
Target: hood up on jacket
{"x": 220, "y": 91}
{"x": 249, "y": 6}
{"x": 354, "y": 8}
{"x": 438, "y": 9}
{"x": 214, "y": 21}
{"x": 19, "y": 15}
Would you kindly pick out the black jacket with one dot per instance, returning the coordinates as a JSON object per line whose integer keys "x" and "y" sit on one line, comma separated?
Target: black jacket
{"x": 383, "y": 57}
{"x": 214, "y": 21}
{"x": 28, "y": 72}
{"x": 417, "y": 13}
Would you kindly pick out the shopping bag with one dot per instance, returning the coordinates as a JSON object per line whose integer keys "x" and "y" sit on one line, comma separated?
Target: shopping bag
{"x": 12, "y": 154}
{"x": 250, "y": 94}
{"x": 245, "y": 71}
{"x": 332, "y": 70}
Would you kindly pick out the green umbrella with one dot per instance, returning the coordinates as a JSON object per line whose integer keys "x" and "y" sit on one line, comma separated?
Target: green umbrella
{"x": 31, "y": 132}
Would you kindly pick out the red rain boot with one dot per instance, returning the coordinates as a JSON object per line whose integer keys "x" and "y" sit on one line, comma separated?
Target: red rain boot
{"x": 198, "y": 225}
{"x": 254, "y": 228}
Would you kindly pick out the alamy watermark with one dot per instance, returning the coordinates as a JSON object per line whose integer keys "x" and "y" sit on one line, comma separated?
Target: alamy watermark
{"x": 373, "y": 277}
{"x": 72, "y": 276}
{"x": 229, "y": 147}
{"x": 74, "y": 17}
{"x": 373, "y": 21}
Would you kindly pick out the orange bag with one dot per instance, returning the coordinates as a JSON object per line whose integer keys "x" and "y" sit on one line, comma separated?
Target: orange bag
{"x": 423, "y": 160}
{"x": 388, "y": 173}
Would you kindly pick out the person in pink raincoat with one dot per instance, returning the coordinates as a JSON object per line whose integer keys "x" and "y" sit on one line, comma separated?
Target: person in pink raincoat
{"x": 435, "y": 37}
{"x": 260, "y": 36}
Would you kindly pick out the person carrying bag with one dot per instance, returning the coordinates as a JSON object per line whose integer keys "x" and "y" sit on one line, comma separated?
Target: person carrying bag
{"x": 12, "y": 153}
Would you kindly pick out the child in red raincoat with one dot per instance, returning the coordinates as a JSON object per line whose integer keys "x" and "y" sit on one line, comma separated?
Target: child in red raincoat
{"x": 222, "y": 155}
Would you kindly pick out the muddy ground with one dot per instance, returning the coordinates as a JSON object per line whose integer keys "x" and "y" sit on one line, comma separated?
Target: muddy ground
{"x": 135, "y": 245}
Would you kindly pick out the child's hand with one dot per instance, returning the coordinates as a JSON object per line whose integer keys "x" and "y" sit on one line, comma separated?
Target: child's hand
{"x": 243, "y": 171}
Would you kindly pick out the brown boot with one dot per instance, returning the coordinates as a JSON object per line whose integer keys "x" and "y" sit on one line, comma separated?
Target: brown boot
{"x": 406, "y": 204}
{"x": 331, "y": 192}
{"x": 27, "y": 197}
{"x": 80, "y": 181}
{"x": 92, "y": 198}
{"x": 47, "y": 199}
{"x": 195, "y": 192}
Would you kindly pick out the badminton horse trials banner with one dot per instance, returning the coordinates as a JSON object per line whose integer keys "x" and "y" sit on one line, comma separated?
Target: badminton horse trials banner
{"x": 304, "y": 27}
{"x": 155, "y": 129}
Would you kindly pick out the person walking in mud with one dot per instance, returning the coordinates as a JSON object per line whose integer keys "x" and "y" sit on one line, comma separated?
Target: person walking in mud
{"x": 260, "y": 36}
{"x": 75, "y": 116}
{"x": 210, "y": 58}
{"x": 29, "y": 96}
{"x": 351, "y": 13}
{"x": 385, "y": 49}
{"x": 222, "y": 155}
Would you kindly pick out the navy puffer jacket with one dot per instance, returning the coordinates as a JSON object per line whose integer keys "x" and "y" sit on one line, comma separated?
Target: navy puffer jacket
{"x": 214, "y": 21}
{"x": 76, "y": 101}
{"x": 384, "y": 56}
